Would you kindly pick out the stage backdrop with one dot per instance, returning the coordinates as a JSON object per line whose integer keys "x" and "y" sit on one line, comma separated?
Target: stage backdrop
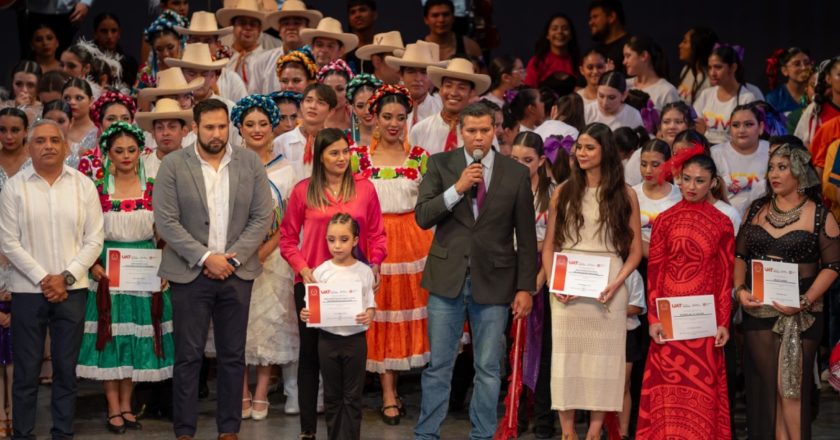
{"x": 758, "y": 25}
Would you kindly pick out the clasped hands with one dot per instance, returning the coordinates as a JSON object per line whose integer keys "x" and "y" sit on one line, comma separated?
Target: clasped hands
{"x": 54, "y": 288}
{"x": 217, "y": 267}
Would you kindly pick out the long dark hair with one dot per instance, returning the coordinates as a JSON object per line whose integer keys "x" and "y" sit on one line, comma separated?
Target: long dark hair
{"x": 315, "y": 197}
{"x": 779, "y": 58}
{"x": 730, "y": 57}
{"x": 524, "y": 98}
{"x": 570, "y": 110}
{"x": 542, "y": 46}
{"x": 702, "y": 40}
{"x": 614, "y": 204}
{"x": 499, "y": 66}
{"x": 534, "y": 141}
{"x": 26, "y": 66}
{"x": 643, "y": 43}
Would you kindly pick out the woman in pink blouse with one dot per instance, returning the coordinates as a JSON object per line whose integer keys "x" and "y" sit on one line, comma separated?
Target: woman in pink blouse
{"x": 556, "y": 51}
{"x": 331, "y": 189}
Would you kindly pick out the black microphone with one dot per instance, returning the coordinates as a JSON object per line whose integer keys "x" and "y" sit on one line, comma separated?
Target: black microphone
{"x": 477, "y": 155}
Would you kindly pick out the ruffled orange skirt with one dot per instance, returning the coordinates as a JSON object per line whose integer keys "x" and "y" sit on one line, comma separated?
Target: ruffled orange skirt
{"x": 397, "y": 338}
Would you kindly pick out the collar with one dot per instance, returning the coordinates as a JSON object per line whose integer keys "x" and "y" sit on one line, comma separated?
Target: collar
{"x": 486, "y": 162}
{"x": 29, "y": 172}
{"x": 225, "y": 159}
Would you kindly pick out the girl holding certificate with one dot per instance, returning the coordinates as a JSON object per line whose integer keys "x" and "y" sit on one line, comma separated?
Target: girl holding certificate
{"x": 593, "y": 214}
{"x": 790, "y": 225}
{"x": 691, "y": 248}
{"x": 128, "y": 334}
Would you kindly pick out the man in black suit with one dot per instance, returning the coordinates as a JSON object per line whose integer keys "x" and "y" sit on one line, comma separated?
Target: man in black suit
{"x": 473, "y": 270}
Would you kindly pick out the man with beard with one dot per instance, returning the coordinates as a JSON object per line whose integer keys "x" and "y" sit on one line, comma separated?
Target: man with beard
{"x": 606, "y": 21}
{"x": 213, "y": 208}
{"x": 288, "y": 21}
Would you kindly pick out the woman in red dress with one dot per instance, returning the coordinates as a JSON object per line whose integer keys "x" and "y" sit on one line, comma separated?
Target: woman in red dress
{"x": 692, "y": 247}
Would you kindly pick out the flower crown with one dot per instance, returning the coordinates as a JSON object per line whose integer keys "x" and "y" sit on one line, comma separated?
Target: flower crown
{"x": 389, "y": 89}
{"x": 262, "y": 101}
{"x": 106, "y": 98}
{"x": 359, "y": 81}
{"x": 117, "y": 128}
{"x": 338, "y": 65}
{"x": 165, "y": 21}
{"x": 302, "y": 56}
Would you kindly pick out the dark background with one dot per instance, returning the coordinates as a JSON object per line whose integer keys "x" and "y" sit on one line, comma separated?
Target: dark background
{"x": 759, "y": 26}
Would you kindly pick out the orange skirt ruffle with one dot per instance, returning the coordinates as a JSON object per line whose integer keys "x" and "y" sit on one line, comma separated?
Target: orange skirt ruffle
{"x": 397, "y": 338}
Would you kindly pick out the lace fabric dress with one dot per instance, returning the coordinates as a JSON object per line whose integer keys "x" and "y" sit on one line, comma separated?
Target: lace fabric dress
{"x": 141, "y": 347}
{"x": 813, "y": 244}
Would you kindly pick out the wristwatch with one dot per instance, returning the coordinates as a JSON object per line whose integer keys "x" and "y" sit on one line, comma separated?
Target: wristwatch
{"x": 69, "y": 279}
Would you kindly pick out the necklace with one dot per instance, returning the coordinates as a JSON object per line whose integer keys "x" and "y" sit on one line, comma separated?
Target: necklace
{"x": 779, "y": 219}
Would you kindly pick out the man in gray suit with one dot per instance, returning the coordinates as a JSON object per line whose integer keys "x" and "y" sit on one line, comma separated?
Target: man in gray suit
{"x": 213, "y": 208}
{"x": 473, "y": 270}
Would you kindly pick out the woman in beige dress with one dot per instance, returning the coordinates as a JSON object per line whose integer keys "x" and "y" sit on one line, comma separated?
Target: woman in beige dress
{"x": 594, "y": 212}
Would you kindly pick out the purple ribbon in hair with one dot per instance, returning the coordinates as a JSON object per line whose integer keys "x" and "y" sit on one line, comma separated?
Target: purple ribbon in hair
{"x": 554, "y": 143}
{"x": 737, "y": 48}
{"x": 650, "y": 117}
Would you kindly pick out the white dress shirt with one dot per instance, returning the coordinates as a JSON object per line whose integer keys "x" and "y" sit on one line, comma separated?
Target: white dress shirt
{"x": 431, "y": 105}
{"x": 431, "y": 134}
{"x": 217, "y": 188}
{"x": 231, "y": 85}
{"x": 262, "y": 71}
{"x": 292, "y": 146}
{"x": 47, "y": 229}
{"x": 451, "y": 196}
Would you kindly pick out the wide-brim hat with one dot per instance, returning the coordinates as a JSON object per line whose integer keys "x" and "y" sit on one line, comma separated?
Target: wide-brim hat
{"x": 387, "y": 42}
{"x": 244, "y": 8}
{"x": 171, "y": 82}
{"x": 203, "y": 24}
{"x": 197, "y": 56}
{"x": 294, "y": 8}
{"x": 459, "y": 68}
{"x": 165, "y": 108}
{"x": 421, "y": 54}
{"x": 329, "y": 27}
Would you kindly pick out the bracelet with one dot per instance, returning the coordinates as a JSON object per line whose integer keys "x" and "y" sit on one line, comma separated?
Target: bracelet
{"x": 805, "y": 303}
{"x": 742, "y": 287}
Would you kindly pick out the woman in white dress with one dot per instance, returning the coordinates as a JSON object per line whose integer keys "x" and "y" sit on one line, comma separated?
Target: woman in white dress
{"x": 272, "y": 337}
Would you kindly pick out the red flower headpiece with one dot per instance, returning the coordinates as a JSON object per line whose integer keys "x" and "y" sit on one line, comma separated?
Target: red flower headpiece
{"x": 106, "y": 98}
{"x": 385, "y": 90}
{"x": 676, "y": 161}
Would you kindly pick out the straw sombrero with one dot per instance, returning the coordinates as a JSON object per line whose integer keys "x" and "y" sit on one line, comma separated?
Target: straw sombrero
{"x": 203, "y": 24}
{"x": 459, "y": 68}
{"x": 329, "y": 27}
{"x": 165, "y": 108}
{"x": 171, "y": 82}
{"x": 294, "y": 8}
{"x": 421, "y": 54}
{"x": 387, "y": 42}
{"x": 244, "y": 8}
{"x": 197, "y": 56}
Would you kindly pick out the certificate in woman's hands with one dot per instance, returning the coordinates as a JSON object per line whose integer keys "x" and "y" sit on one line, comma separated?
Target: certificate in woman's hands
{"x": 133, "y": 269}
{"x": 687, "y": 317}
{"x": 774, "y": 281}
{"x": 333, "y": 304}
{"x": 579, "y": 274}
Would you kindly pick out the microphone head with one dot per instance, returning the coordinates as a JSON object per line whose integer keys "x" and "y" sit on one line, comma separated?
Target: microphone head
{"x": 477, "y": 155}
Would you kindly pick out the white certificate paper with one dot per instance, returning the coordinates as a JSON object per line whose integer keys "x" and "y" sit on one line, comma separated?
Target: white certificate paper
{"x": 775, "y": 281}
{"x": 687, "y": 317}
{"x": 579, "y": 274}
{"x": 133, "y": 269}
{"x": 333, "y": 304}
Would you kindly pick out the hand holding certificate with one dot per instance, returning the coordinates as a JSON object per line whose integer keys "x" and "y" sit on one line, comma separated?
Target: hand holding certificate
{"x": 333, "y": 304}
{"x": 687, "y": 317}
{"x": 773, "y": 281}
{"x": 579, "y": 274}
{"x": 133, "y": 269}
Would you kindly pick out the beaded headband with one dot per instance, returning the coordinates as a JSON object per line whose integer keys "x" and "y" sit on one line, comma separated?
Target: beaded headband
{"x": 263, "y": 102}
{"x": 359, "y": 81}
{"x": 389, "y": 89}
{"x": 110, "y": 96}
{"x": 117, "y": 128}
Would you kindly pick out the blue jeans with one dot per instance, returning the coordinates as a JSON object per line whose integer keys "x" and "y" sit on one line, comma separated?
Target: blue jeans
{"x": 446, "y": 325}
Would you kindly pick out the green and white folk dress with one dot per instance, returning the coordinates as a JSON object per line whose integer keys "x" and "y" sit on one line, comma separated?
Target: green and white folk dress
{"x": 140, "y": 347}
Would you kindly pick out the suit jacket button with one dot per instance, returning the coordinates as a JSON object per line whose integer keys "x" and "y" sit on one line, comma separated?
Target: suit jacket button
{"x": 206, "y": 223}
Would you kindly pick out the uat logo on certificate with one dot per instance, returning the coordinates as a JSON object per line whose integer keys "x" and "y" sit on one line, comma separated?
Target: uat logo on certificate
{"x": 314, "y": 303}
{"x": 114, "y": 256}
{"x": 579, "y": 274}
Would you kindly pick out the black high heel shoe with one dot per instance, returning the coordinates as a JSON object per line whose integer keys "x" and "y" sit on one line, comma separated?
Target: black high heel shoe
{"x": 401, "y": 407}
{"x": 116, "y": 429}
{"x": 131, "y": 424}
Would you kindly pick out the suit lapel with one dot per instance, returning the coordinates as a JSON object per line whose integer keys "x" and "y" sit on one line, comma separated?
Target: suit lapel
{"x": 233, "y": 177}
{"x": 462, "y": 211}
{"x": 194, "y": 166}
{"x": 495, "y": 185}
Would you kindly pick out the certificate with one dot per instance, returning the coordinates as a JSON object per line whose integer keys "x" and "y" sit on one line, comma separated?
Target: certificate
{"x": 687, "y": 317}
{"x": 579, "y": 274}
{"x": 333, "y": 304}
{"x": 775, "y": 281}
{"x": 133, "y": 269}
